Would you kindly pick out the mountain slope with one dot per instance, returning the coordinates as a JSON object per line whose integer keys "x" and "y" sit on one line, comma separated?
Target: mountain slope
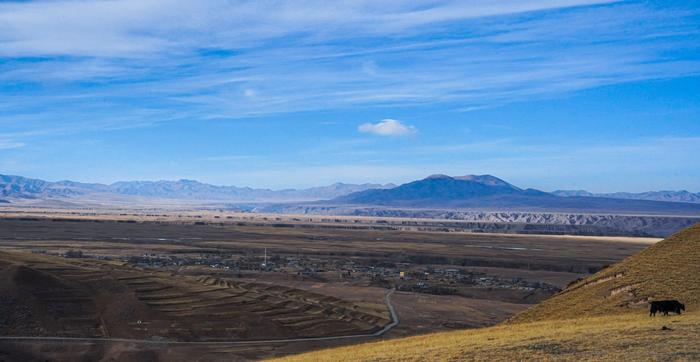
{"x": 672, "y": 196}
{"x": 483, "y": 192}
{"x": 666, "y": 270}
{"x": 331, "y": 191}
{"x": 22, "y": 187}
{"x": 26, "y": 188}
{"x": 185, "y": 189}
{"x": 603, "y": 317}
{"x": 489, "y": 192}
{"x": 440, "y": 189}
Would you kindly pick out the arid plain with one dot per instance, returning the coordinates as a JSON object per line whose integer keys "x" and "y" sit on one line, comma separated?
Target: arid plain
{"x": 138, "y": 284}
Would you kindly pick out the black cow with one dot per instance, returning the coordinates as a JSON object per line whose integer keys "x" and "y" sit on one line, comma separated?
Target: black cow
{"x": 665, "y": 306}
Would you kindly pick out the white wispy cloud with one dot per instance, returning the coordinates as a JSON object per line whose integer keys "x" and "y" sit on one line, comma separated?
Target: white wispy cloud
{"x": 142, "y": 27}
{"x": 137, "y": 62}
{"x": 9, "y": 144}
{"x": 387, "y": 127}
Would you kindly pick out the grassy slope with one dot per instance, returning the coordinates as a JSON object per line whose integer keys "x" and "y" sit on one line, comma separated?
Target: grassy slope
{"x": 624, "y": 337}
{"x": 603, "y": 317}
{"x": 669, "y": 269}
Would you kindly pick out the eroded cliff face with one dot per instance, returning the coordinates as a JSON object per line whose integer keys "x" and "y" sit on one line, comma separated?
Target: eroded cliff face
{"x": 511, "y": 221}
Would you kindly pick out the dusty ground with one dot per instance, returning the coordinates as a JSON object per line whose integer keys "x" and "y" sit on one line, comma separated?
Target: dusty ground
{"x": 604, "y": 317}
{"x": 188, "y": 310}
{"x": 52, "y": 296}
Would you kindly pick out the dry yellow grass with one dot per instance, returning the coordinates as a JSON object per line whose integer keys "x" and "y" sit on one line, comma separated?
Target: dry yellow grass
{"x": 669, "y": 269}
{"x": 615, "y": 338}
{"x": 603, "y": 317}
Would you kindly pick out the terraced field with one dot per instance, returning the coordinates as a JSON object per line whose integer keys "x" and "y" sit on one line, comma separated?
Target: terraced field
{"x": 135, "y": 286}
{"x": 50, "y": 296}
{"x": 604, "y": 317}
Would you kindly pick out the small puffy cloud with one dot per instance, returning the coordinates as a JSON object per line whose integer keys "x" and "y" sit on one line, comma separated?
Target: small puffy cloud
{"x": 387, "y": 127}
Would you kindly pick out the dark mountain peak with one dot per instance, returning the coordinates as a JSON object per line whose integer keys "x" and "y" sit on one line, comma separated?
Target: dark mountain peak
{"x": 437, "y": 176}
{"x": 489, "y": 192}
{"x": 485, "y": 179}
{"x": 440, "y": 189}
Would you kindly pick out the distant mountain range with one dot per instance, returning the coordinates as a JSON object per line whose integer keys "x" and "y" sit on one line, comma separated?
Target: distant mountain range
{"x": 26, "y": 188}
{"x": 489, "y": 192}
{"x": 672, "y": 196}
{"x": 484, "y": 192}
{"x": 441, "y": 189}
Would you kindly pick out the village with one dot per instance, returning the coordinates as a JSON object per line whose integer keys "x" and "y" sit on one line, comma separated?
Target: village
{"x": 407, "y": 277}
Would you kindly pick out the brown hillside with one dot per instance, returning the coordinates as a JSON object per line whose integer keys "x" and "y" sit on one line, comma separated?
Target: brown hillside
{"x": 601, "y": 318}
{"x": 669, "y": 269}
{"x": 44, "y": 295}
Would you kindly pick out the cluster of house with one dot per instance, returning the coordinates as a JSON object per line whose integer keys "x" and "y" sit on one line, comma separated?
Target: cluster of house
{"x": 409, "y": 277}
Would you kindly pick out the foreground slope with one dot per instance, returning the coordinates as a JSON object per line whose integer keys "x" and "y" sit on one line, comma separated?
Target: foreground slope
{"x": 47, "y": 296}
{"x": 669, "y": 269}
{"x": 615, "y": 338}
{"x": 603, "y": 317}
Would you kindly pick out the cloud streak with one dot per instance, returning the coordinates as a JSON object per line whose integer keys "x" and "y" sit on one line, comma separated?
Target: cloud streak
{"x": 387, "y": 127}
{"x": 132, "y": 28}
{"x": 148, "y": 60}
{"x": 69, "y": 68}
{"x": 9, "y": 144}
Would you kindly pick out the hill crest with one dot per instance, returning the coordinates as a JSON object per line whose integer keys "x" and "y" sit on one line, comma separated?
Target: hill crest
{"x": 666, "y": 270}
{"x": 603, "y": 317}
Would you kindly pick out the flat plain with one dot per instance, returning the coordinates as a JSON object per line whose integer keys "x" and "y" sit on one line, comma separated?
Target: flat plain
{"x": 215, "y": 277}
{"x": 604, "y": 317}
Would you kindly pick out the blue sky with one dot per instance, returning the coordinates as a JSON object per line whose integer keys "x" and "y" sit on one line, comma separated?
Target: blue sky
{"x": 600, "y": 95}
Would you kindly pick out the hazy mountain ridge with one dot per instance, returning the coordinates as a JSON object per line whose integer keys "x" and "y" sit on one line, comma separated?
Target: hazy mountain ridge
{"x": 489, "y": 192}
{"x": 438, "y": 188}
{"x": 484, "y": 192}
{"x": 672, "y": 196}
{"x": 18, "y": 186}
{"x": 27, "y": 188}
